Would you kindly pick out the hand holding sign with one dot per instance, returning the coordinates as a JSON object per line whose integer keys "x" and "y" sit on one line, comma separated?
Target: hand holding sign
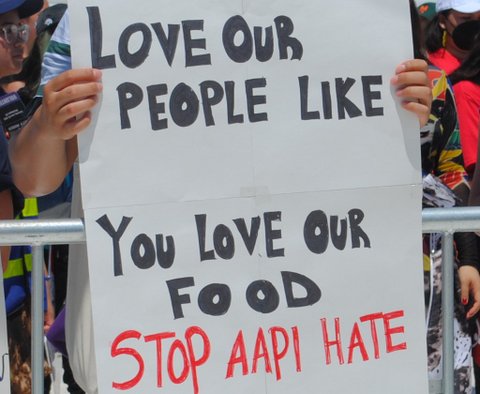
{"x": 414, "y": 87}
{"x": 66, "y": 103}
{"x": 43, "y": 153}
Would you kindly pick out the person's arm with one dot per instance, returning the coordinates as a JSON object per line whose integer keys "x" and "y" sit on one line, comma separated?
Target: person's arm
{"x": 413, "y": 87}
{"x": 450, "y": 169}
{"x": 43, "y": 152}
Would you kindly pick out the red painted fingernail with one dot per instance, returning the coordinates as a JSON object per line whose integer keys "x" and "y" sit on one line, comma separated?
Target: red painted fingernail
{"x": 464, "y": 301}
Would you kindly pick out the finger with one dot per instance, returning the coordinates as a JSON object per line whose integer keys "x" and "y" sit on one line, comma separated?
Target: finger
{"x": 420, "y": 110}
{"x": 416, "y": 107}
{"x": 72, "y": 77}
{"x": 53, "y": 102}
{"x": 76, "y": 108}
{"x": 74, "y": 126}
{"x": 410, "y": 78}
{"x": 413, "y": 65}
{"x": 464, "y": 292}
{"x": 77, "y": 92}
{"x": 421, "y": 93}
{"x": 475, "y": 293}
{"x": 474, "y": 309}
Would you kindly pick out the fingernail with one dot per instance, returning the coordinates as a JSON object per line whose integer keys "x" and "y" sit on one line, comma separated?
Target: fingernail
{"x": 394, "y": 80}
{"x": 400, "y": 68}
{"x": 464, "y": 301}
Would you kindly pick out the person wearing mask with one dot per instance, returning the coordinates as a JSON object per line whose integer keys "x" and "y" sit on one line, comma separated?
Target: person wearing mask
{"x": 466, "y": 85}
{"x": 443, "y": 52}
{"x": 466, "y": 81}
{"x": 446, "y": 36}
{"x": 446, "y": 184}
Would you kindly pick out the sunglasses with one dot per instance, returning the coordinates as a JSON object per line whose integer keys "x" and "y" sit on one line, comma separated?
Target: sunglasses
{"x": 13, "y": 33}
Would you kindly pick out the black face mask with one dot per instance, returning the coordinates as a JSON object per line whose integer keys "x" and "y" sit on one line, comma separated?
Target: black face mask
{"x": 465, "y": 34}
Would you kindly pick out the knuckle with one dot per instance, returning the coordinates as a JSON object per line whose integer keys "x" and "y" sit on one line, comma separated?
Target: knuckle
{"x": 70, "y": 91}
{"x": 48, "y": 101}
{"x": 69, "y": 76}
{"x": 69, "y": 110}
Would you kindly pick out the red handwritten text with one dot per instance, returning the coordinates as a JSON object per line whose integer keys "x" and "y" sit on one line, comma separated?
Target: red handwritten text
{"x": 333, "y": 338}
{"x": 279, "y": 347}
{"x": 191, "y": 361}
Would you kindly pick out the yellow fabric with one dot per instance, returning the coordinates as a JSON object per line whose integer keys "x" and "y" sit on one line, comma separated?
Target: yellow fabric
{"x": 28, "y": 261}
{"x": 14, "y": 268}
{"x": 440, "y": 86}
{"x": 30, "y": 208}
{"x": 426, "y": 263}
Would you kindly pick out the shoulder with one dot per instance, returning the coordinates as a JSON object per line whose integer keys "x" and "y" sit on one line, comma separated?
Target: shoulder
{"x": 444, "y": 60}
{"x": 467, "y": 90}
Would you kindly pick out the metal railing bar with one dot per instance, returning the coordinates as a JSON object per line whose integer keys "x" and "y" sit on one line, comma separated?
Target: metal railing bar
{"x": 448, "y": 296}
{"x": 41, "y": 231}
{"x": 37, "y": 319}
{"x": 458, "y": 219}
{"x": 38, "y": 233}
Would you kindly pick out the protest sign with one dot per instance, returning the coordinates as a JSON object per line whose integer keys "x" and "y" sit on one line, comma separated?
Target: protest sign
{"x": 252, "y": 197}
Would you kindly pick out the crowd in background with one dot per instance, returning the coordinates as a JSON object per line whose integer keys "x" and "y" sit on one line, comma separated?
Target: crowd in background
{"x": 447, "y": 35}
{"x": 21, "y": 81}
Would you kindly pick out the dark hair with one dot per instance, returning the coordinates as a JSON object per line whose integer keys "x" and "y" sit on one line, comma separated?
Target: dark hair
{"x": 469, "y": 70}
{"x": 30, "y": 74}
{"x": 417, "y": 33}
{"x": 32, "y": 66}
{"x": 434, "y": 33}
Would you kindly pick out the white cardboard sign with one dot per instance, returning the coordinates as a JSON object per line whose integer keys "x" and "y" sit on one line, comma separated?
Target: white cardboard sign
{"x": 252, "y": 197}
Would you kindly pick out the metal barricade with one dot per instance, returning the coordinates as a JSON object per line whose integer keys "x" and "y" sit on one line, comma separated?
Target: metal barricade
{"x": 449, "y": 221}
{"x": 66, "y": 231}
{"x": 39, "y": 233}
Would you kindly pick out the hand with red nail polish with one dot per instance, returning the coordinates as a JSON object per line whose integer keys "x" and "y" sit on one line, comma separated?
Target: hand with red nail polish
{"x": 470, "y": 288}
